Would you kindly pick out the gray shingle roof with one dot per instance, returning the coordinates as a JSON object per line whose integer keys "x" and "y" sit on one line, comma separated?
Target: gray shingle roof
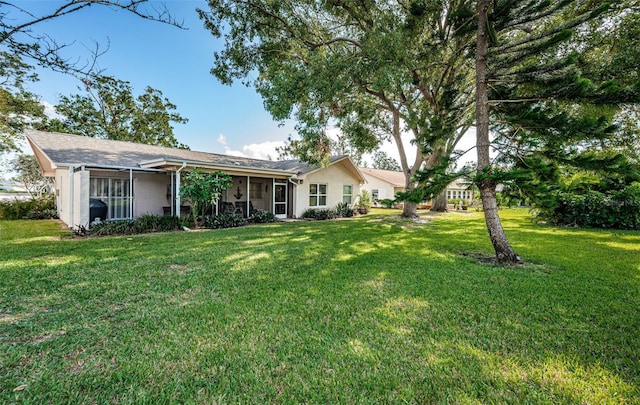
{"x": 65, "y": 149}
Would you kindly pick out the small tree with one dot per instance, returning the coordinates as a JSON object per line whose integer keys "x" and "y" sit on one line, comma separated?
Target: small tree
{"x": 364, "y": 202}
{"x": 30, "y": 175}
{"x": 203, "y": 190}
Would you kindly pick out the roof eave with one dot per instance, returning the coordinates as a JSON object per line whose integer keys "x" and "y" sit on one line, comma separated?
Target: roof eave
{"x": 214, "y": 166}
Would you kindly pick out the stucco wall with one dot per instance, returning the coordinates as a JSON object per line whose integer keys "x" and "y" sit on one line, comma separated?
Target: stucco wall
{"x": 150, "y": 193}
{"x": 385, "y": 189}
{"x": 334, "y": 176}
{"x": 80, "y": 199}
{"x": 62, "y": 195}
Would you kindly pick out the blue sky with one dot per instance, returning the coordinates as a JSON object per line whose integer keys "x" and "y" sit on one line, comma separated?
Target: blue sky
{"x": 222, "y": 119}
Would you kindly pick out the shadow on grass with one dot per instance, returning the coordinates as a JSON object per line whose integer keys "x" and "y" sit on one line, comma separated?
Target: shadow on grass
{"x": 322, "y": 312}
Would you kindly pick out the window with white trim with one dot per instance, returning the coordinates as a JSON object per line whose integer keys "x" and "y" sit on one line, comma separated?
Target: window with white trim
{"x": 347, "y": 192}
{"x": 317, "y": 195}
{"x": 115, "y": 192}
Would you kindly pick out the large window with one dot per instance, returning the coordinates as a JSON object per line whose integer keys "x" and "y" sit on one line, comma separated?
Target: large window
{"x": 115, "y": 193}
{"x": 347, "y": 191}
{"x": 317, "y": 195}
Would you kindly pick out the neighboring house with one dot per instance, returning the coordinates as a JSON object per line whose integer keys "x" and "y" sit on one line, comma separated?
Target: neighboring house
{"x": 136, "y": 179}
{"x": 384, "y": 184}
{"x": 460, "y": 190}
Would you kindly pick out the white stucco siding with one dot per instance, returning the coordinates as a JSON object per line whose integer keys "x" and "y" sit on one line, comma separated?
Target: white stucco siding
{"x": 385, "y": 189}
{"x": 150, "y": 193}
{"x": 80, "y": 199}
{"x": 61, "y": 184}
{"x": 334, "y": 176}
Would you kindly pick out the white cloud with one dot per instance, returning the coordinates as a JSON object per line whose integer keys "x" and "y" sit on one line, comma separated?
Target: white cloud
{"x": 50, "y": 111}
{"x": 264, "y": 150}
{"x": 222, "y": 139}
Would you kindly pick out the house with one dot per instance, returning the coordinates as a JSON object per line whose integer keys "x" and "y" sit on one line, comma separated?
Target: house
{"x": 460, "y": 189}
{"x": 136, "y": 179}
{"x": 384, "y": 184}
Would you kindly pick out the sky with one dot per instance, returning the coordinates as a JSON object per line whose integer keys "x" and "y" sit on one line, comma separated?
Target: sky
{"x": 222, "y": 119}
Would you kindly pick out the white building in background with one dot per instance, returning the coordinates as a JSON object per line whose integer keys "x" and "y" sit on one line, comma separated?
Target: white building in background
{"x": 384, "y": 184}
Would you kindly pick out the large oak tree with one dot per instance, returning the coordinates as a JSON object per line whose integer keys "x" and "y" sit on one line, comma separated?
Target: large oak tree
{"x": 376, "y": 70}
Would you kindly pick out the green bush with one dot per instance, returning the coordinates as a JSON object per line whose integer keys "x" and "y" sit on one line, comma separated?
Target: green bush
{"x": 456, "y": 201}
{"x": 617, "y": 209}
{"x": 223, "y": 221}
{"x": 319, "y": 214}
{"x": 386, "y": 203}
{"x": 344, "y": 210}
{"x": 364, "y": 202}
{"x": 262, "y": 217}
{"x": 143, "y": 224}
{"x": 37, "y": 208}
{"x": 43, "y": 214}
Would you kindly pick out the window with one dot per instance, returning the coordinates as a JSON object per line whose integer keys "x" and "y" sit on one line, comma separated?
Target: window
{"x": 115, "y": 193}
{"x": 374, "y": 194}
{"x": 317, "y": 195}
{"x": 346, "y": 193}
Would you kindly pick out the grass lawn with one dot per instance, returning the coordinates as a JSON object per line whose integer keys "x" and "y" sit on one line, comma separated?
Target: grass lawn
{"x": 369, "y": 310}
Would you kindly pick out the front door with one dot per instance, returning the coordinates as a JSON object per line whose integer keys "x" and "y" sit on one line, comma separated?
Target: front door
{"x": 280, "y": 198}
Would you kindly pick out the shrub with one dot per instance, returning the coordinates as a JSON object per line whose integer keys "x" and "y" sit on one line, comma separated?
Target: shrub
{"x": 386, "y": 203}
{"x": 262, "y": 217}
{"x": 143, "y": 224}
{"x": 37, "y": 208}
{"x": 119, "y": 227}
{"x": 157, "y": 223}
{"x": 618, "y": 209}
{"x": 223, "y": 221}
{"x": 456, "y": 201}
{"x": 364, "y": 202}
{"x": 43, "y": 214}
{"x": 343, "y": 210}
{"x": 319, "y": 214}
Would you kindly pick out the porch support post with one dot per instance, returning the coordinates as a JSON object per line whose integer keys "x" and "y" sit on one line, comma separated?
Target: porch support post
{"x": 71, "y": 196}
{"x": 173, "y": 196}
{"x": 131, "y": 193}
{"x": 248, "y": 196}
{"x": 184, "y": 164}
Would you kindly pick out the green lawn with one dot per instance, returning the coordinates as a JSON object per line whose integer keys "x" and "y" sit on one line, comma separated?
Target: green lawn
{"x": 369, "y": 310}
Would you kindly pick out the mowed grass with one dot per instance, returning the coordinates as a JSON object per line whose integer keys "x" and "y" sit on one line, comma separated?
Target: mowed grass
{"x": 369, "y": 310}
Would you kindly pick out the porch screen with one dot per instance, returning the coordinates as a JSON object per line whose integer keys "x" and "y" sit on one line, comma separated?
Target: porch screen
{"x": 115, "y": 193}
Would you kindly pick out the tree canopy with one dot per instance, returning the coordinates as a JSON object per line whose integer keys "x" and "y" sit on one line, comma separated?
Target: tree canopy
{"x": 18, "y": 107}
{"x": 23, "y": 45}
{"x": 109, "y": 110}
{"x": 375, "y": 70}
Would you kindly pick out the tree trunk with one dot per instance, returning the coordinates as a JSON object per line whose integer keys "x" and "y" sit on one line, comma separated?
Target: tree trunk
{"x": 504, "y": 251}
{"x": 410, "y": 209}
{"x": 440, "y": 202}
